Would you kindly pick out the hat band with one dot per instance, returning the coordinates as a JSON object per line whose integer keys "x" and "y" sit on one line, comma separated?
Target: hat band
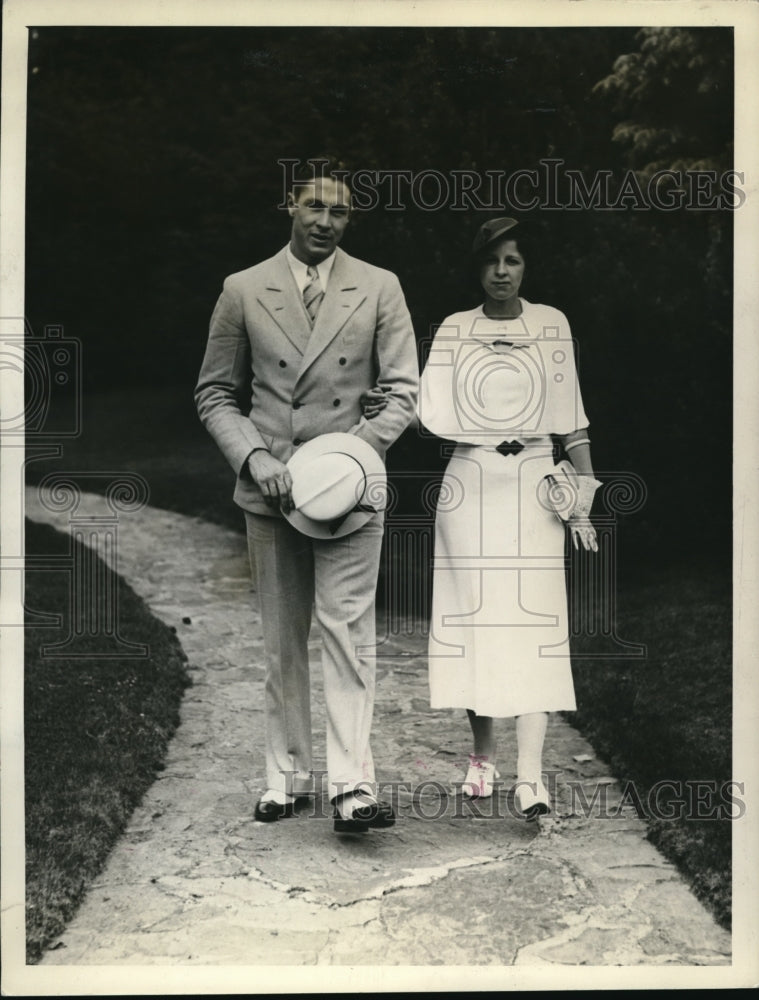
{"x": 360, "y": 508}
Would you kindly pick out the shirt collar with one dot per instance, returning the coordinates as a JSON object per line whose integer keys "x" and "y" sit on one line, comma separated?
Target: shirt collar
{"x": 300, "y": 270}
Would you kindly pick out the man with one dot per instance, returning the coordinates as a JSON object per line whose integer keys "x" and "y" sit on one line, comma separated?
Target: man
{"x": 294, "y": 342}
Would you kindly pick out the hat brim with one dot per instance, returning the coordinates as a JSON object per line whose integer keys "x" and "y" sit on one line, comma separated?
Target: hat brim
{"x": 485, "y": 237}
{"x": 329, "y": 530}
{"x": 374, "y": 471}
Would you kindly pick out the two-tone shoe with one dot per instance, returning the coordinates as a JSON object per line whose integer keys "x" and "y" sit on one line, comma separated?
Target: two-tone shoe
{"x": 532, "y": 799}
{"x": 268, "y": 810}
{"x": 366, "y": 813}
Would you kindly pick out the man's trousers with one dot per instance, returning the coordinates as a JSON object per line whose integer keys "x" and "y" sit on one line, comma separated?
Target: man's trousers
{"x": 293, "y": 575}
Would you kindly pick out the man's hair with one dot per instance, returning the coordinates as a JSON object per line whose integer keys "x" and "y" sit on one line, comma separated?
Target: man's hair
{"x": 317, "y": 167}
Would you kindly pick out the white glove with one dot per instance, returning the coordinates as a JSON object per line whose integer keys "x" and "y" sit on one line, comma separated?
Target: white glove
{"x": 580, "y": 528}
{"x": 586, "y": 487}
{"x": 582, "y": 531}
{"x": 570, "y": 496}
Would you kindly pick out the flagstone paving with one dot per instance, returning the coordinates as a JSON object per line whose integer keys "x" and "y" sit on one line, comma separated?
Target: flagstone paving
{"x": 195, "y": 880}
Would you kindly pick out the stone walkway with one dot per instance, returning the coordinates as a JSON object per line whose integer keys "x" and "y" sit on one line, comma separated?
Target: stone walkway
{"x": 196, "y": 881}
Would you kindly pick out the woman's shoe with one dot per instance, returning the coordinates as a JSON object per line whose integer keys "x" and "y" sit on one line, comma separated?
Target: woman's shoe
{"x": 478, "y": 783}
{"x": 532, "y": 799}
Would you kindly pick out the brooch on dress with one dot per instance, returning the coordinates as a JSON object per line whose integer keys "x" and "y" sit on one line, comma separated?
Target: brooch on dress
{"x": 500, "y": 346}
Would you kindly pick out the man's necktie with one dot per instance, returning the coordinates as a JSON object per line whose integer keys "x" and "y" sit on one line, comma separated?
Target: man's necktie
{"x": 313, "y": 293}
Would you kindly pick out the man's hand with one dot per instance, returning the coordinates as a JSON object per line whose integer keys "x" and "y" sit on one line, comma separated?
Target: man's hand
{"x": 372, "y": 402}
{"x": 273, "y": 478}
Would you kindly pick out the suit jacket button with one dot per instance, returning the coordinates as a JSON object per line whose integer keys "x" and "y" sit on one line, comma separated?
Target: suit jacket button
{"x": 283, "y": 364}
{"x": 296, "y": 405}
{"x": 342, "y": 361}
{"x": 335, "y": 402}
{"x": 297, "y": 441}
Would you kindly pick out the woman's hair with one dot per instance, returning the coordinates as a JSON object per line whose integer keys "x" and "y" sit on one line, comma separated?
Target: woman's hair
{"x": 522, "y": 234}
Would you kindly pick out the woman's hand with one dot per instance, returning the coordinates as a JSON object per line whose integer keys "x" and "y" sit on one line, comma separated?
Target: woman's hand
{"x": 372, "y": 402}
{"x": 583, "y": 531}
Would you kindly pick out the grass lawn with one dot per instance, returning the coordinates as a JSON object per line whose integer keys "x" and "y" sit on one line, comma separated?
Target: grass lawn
{"x": 668, "y": 717}
{"x": 96, "y": 732}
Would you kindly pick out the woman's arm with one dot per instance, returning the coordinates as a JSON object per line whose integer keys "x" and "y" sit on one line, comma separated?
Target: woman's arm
{"x": 578, "y": 453}
{"x": 577, "y": 447}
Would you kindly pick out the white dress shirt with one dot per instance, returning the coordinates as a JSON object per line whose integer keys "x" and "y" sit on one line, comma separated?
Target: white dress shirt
{"x": 300, "y": 270}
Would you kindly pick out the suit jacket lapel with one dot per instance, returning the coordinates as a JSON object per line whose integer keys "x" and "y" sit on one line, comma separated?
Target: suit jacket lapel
{"x": 342, "y": 298}
{"x": 281, "y": 300}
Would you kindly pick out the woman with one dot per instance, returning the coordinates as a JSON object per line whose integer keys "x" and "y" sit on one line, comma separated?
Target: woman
{"x": 500, "y": 381}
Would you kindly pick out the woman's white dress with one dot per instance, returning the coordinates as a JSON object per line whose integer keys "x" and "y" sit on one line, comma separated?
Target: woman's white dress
{"x": 499, "y": 628}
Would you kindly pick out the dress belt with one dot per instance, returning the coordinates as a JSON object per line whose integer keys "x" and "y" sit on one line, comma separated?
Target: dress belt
{"x": 509, "y": 447}
{"x": 513, "y": 447}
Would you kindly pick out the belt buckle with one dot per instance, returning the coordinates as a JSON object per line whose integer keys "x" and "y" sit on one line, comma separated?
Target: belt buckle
{"x": 509, "y": 447}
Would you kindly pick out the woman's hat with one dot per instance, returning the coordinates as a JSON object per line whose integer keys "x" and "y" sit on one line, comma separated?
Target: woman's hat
{"x": 339, "y": 483}
{"x": 490, "y": 231}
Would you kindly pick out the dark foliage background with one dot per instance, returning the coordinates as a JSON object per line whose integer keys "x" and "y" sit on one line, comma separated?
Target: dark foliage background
{"x": 152, "y": 173}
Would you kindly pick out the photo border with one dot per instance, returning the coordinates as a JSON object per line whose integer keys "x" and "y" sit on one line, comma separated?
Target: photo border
{"x": 743, "y": 15}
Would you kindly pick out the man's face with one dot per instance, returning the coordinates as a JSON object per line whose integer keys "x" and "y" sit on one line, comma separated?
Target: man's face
{"x": 320, "y": 213}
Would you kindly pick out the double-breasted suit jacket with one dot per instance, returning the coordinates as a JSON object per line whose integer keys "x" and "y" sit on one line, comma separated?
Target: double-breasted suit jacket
{"x": 270, "y": 380}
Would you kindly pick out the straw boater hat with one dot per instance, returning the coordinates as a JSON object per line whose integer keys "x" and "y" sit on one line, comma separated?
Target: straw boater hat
{"x": 338, "y": 484}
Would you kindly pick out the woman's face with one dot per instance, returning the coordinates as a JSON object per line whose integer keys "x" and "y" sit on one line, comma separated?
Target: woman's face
{"x": 502, "y": 270}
